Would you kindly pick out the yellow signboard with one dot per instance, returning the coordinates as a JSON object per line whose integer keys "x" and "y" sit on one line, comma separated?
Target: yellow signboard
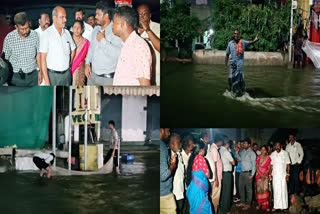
{"x": 92, "y": 103}
{"x": 78, "y": 117}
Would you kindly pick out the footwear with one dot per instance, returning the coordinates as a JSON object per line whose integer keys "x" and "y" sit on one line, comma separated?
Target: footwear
{"x": 240, "y": 205}
{"x": 246, "y": 207}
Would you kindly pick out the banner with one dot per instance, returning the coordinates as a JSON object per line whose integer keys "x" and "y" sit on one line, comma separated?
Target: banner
{"x": 25, "y": 116}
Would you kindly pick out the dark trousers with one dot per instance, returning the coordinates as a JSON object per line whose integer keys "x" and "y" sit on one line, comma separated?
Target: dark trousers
{"x": 115, "y": 158}
{"x": 226, "y": 192}
{"x": 237, "y": 184}
{"x": 180, "y": 205}
{"x": 245, "y": 186}
{"x": 294, "y": 183}
{"x": 59, "y": 78}
{"x": 30, "y": 79}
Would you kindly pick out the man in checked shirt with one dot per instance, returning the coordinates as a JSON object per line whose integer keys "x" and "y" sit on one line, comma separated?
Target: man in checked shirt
{"x": 21, "y": 49}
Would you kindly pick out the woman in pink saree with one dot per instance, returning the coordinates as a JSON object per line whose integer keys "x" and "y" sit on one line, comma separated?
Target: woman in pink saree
{"x": 262, "y": 179}
{"x": 77, "y": 67}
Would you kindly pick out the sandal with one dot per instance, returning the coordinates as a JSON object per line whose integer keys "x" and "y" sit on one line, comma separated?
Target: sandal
{"x": 246, "y": 207}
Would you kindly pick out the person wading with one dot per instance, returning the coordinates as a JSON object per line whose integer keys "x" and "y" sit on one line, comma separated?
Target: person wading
{"x": 236, "y": 49}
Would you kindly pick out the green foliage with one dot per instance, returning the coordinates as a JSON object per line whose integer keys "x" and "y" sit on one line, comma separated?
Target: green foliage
{"x": 177, "y": 23}
{"x": 269, "y": 22}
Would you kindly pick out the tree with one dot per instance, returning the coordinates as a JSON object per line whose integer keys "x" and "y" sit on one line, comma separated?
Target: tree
{"x": 177, "y": 24}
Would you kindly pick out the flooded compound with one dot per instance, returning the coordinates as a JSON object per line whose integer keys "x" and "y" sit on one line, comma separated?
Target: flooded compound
{"x": 135, "y": 191}
{"x": 276, "y": 96}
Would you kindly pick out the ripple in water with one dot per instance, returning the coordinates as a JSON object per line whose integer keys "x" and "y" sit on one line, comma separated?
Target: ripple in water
{"x": 291, "y": 103}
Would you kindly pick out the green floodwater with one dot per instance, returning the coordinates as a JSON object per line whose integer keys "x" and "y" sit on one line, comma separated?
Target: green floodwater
{"x": 196, "y": 96}
{"x": 136, "y": 191}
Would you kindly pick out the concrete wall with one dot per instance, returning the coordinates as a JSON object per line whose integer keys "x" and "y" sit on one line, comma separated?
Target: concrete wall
{"x": 251, "y": 58}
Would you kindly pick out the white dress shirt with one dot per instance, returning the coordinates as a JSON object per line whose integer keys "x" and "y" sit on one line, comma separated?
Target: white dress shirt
{"x": 209, "y": 157}
{"x": 46, "y": 157}
{"x": 155, "y": 28}
{"x": 226, "y": 159}
{"x": 39, "y": 31}
{"x": 295, "y": 152}
{"x": 58, "y": 48}
{"x": 185, "y": 158}
{"x": 87, "y": 31}
{"x": 279, "y": 163}
{"x": 178, "y": 179}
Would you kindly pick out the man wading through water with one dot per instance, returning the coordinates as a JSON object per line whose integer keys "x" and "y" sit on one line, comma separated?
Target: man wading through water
{"x": 236, "y": 48}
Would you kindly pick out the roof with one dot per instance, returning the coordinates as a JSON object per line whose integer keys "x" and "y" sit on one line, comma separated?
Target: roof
{"x": 132, "y": 90}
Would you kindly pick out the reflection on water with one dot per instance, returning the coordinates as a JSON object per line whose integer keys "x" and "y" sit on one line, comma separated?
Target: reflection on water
{"x": 135, "y": 191}
{"x": 277, "y": 96}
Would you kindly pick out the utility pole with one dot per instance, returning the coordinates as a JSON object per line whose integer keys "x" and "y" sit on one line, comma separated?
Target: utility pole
{"x": 293, "y": 6}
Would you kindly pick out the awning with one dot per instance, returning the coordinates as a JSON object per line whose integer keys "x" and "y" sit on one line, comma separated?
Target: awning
{"x": 132, "y": 90}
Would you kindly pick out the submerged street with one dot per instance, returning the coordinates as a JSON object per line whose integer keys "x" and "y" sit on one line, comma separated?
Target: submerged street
{"x": 277, "y": 97}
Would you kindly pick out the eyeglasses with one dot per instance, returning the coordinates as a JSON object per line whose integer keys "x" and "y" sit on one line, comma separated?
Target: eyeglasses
{"x": 8, "y": 17}
{"x": 144, "y": 15}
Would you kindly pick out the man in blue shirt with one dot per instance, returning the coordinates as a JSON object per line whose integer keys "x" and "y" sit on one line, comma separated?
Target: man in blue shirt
{"x": 248, "y": 169}
{"x": 105, "y": 47}
{"x": 236, "y": 49}
{"x": 167, "y": 168}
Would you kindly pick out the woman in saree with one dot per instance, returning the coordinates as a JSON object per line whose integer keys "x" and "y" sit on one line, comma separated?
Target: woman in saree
{"x": 77, "y": 67}
{"x": 262, "y": 179}
{"x": 197, "y": 181}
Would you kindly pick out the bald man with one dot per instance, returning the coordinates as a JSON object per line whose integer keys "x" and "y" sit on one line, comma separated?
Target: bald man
{"x": 150, "y": 31}
{"x": 57, "y": 50}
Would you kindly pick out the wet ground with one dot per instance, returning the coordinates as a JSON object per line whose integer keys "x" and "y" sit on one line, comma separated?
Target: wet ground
{"x": 277, "y": 97}
{"x": 135, "y": 191}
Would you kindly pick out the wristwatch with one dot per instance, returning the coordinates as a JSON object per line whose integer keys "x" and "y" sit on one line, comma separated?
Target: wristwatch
{"x": 147, "y": 30}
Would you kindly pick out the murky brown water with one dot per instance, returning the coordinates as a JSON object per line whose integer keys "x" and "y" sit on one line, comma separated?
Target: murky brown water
{"x": 136, "y": 191}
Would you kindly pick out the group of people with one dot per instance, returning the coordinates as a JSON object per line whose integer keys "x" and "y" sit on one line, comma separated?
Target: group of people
{"x": 118, "y": 46}
{"x": 197, "y": 176}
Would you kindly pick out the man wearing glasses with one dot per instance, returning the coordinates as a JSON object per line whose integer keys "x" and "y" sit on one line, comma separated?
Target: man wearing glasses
{"x": 150, "y": 31}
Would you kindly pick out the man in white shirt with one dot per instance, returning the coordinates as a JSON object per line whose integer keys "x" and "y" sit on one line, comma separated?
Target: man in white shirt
{"x": 227, "y": 178}
{"x": 150, "y": 31}
{"x": 91, "y": 20}
{"x": 44, "y": 162}
{"x": 57, "y": 50}
{"x": 44, "y": 23}
{"x": 280, "y": 163}
{"x": 79, "y": 15}
{"x": 187, "y": 146}
{"x": 178, "y": 179}
{"x": 296, "y": 156}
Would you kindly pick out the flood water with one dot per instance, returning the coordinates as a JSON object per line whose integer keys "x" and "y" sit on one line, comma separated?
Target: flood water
{"x": 196, "y": 95}
{"x": 135, "y": 191}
